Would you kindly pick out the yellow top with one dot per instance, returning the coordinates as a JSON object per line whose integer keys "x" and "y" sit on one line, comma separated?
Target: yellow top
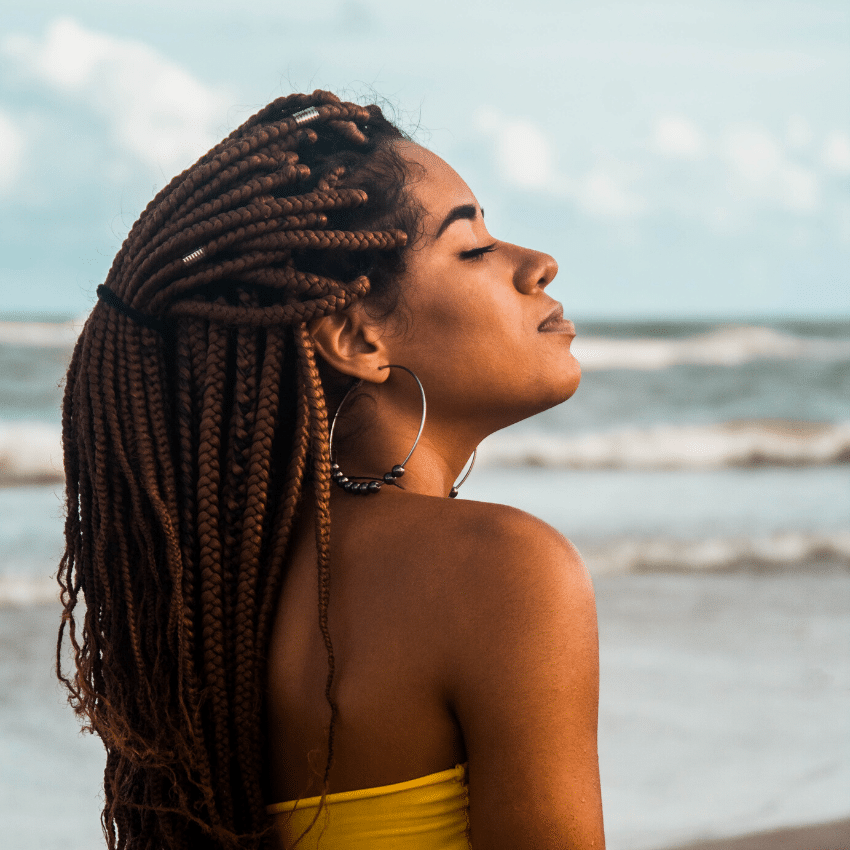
{"x": 428, "y": 813}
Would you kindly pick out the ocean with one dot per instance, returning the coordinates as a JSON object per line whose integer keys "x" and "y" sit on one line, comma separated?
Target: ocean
{"x": 702, "y": 469}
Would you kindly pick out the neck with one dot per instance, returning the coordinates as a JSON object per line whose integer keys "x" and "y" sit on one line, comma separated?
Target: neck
{"x": 378, "y": 431}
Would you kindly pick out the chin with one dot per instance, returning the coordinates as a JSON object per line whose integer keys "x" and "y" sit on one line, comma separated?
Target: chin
{"x": 560, "y": 391}
{"x": 572, "y": 379}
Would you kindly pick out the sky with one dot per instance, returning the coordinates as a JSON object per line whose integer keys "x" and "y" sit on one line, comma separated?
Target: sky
{"x": 678, "y": 158}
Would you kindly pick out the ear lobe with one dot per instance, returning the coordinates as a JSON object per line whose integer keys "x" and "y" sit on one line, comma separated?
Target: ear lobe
{"x": 351, "y": 343}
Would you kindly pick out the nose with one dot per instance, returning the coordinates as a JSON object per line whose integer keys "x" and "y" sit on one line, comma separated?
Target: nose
{"x": 535, "y": 270}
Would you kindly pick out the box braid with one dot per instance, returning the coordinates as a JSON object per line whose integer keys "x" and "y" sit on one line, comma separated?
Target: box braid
{"x": 194, "y": 420}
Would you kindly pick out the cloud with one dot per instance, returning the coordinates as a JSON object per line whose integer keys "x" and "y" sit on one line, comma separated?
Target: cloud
{"x": 760, "y": 171}
{"x": 11, "y": 151}
{"x": 677, "y": 137}
{"x": 525, "y": 159}
{"x": 523, "y": 151}
{"x": 603, "y": 193}
{"x": 836, "y": 152}
{"x": 730, "y": 178}
{"x": 753, "y": 152}
{"x": 155, "y": 109}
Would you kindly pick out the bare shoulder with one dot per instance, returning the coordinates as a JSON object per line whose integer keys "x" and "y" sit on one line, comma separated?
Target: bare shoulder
{"x": 505, "y": 565}
{"x": 517, "y": 535}
{"x": 499, "y": 608}
{"x": 487, "y": 551}
{"x": 523, "y": 681}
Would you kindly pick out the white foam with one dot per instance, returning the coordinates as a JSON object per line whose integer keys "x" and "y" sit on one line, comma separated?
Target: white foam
{"x": 783, "y": 550}
{"x": 715, "y": 446}
{"x": 41, "y": 334}
{"x": 19, "y": 590}
{"x": 787, "y": 550}
{"x": 30, "y": 452}
{"x": 728, "y": 345}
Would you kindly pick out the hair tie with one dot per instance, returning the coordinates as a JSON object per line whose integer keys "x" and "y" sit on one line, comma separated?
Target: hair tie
{"x": 105, "y": 294}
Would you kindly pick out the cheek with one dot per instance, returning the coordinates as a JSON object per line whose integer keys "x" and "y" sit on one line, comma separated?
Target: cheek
{"x": 467, "y": 317}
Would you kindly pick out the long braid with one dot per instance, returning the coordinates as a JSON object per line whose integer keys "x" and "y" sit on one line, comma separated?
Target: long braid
{"x": 188, "y": 454}
{"x": 322, "y": 482}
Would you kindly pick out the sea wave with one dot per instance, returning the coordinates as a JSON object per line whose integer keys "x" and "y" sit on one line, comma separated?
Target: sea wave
{"x": 727, "y": 345}
{"x": 798, "y": 551}
{"x": 41, "y": 334}
{"x": 787, "y": 550}
{"x": 747, "y": 443}
{"x": 30, "y": 452}
{"x": 24, "y": 590}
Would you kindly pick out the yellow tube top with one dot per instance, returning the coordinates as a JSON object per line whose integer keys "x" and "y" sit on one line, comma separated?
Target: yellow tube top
{"x": 428, "y": 813}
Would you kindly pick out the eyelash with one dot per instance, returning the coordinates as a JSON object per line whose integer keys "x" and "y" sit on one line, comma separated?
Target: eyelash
{"x": 476, "y": 253}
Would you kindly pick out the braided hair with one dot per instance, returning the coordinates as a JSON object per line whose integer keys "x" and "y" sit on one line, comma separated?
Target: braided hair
{"x": 194, "y": 424}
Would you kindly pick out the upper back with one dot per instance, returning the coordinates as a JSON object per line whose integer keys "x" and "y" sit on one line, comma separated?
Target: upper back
{"x": 394, "y": 585}
{"x": 462, "y": 632}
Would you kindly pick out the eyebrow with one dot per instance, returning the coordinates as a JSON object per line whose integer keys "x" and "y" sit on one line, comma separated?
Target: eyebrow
{"x": 464, "y": 211}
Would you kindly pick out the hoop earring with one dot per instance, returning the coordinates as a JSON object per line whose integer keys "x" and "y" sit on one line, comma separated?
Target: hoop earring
{"x": 373, "y": 485}
{"x": 454, "y": 490}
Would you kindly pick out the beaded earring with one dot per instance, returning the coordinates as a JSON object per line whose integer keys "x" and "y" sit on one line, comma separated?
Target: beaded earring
{"x": 373, "y": 485}
{"x": 366, "y": 484}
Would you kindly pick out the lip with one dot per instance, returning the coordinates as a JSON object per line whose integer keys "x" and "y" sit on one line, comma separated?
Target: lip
{"x": 556, "y": 323}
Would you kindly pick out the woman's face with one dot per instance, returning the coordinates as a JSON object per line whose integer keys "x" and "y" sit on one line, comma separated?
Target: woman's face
{"x": 484, "y": 338}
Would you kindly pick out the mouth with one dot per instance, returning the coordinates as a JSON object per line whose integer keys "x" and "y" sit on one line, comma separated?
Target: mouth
{"x": 556, "y": 323}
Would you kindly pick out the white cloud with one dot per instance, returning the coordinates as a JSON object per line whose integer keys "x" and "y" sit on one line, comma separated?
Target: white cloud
{"x": 761, "y": 172}
{"x": 798, "y": 188}
{"x": 753, "y": 152}
{"x": 523, "y": 151}
{"x": 525, "y": 159}
{"x": 603, "y": 193}
{"x": 155, "y": 109}
{"x": 11, "y": 151}
{"x": 677, "y": 137}
{"x": 67, "y": 58}
{"x": 836, "y": 152}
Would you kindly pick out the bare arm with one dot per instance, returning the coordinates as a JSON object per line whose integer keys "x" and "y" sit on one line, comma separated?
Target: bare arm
{"x": 525, "y": 689}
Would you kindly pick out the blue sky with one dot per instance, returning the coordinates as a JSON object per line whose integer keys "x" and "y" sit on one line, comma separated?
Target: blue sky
{"x": 678, "y": 158}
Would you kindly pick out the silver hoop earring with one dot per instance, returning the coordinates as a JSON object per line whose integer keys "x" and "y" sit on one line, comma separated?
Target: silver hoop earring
{"x": 454, "y": 490}
{"x": 368, "y": 485}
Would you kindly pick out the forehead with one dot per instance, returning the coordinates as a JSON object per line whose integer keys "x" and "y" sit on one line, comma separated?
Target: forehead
{"x": 434, "y": 183}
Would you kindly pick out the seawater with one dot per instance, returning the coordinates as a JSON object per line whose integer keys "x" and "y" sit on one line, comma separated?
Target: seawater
{"x": 702, "y": 470}
{"x": 689, "y": 445}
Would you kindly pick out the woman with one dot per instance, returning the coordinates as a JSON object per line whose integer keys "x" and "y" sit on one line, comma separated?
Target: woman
{"x": 260, "y": 645}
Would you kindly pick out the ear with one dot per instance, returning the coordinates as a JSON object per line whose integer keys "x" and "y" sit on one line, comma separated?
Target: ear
{"x": 352, "y": 343}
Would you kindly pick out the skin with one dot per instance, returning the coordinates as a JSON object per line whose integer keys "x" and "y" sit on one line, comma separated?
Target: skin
{"x": 463, "y": 631}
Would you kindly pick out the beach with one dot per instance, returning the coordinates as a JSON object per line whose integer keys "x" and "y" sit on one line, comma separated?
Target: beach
{"x": 723, "y": 713}
{"x": 702, "y": 472}
{"x": 723, "y": 704}
{"x": 825, "y": 836}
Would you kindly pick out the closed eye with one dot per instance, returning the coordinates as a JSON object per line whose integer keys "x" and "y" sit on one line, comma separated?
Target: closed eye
{"x": 474, "y": 253}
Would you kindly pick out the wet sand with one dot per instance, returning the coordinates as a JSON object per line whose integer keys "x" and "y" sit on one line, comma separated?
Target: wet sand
{"x": 723, "y": 717}
{"x": 723, "y": 704}
{"x": 826, "y": 836}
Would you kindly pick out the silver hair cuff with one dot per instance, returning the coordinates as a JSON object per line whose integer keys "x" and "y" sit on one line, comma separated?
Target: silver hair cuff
{"x": 193, "y": 257}
{"x": 304, "y": 116}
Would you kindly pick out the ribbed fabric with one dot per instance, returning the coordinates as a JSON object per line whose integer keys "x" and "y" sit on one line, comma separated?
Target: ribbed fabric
{"x": 428, "y": 813}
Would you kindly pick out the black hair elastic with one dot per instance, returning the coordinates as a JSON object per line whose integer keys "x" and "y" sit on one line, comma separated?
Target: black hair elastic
{"x": 105, "y": 294}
